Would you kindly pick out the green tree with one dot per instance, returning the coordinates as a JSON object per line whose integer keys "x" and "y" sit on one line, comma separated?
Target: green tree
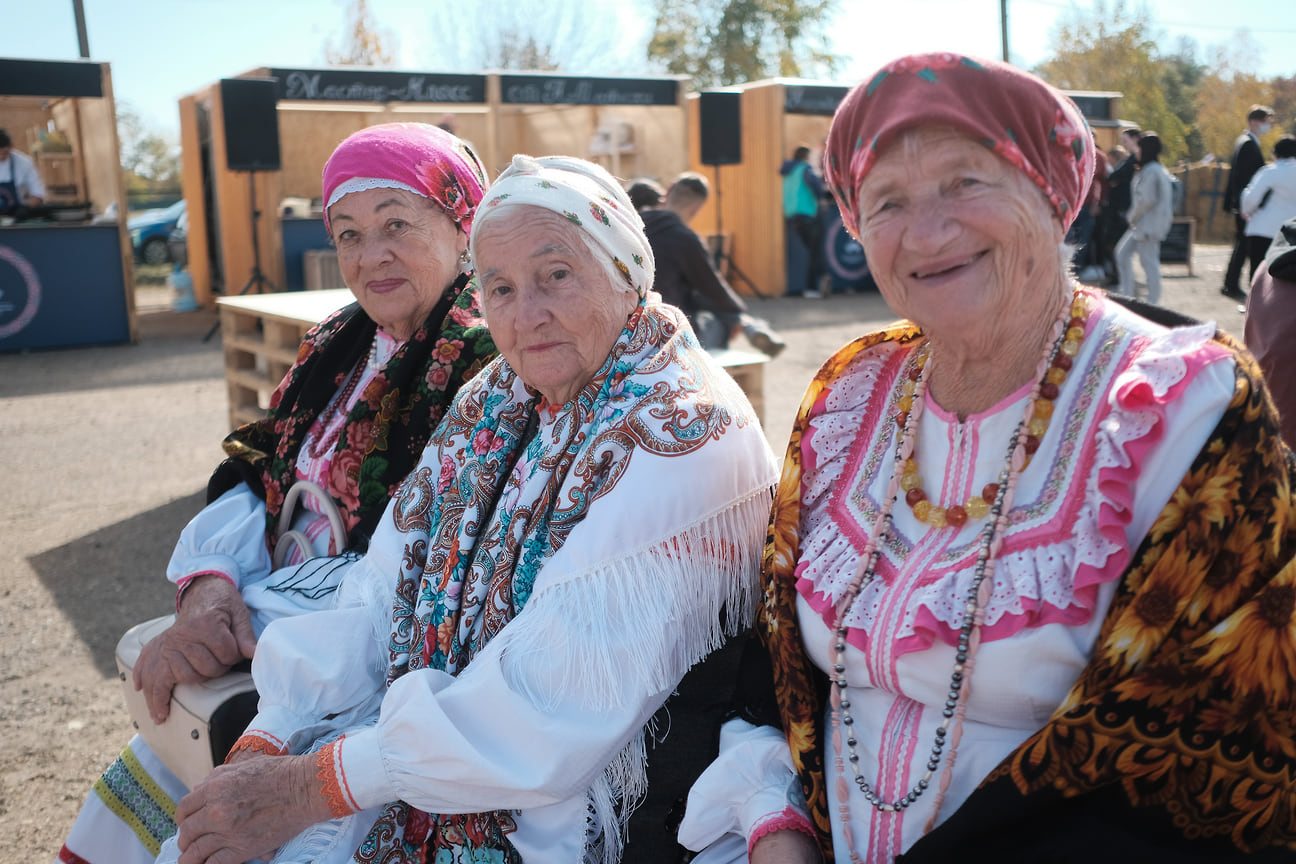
{"x": 148, "y": 158}
{"x": 1227, "y": 93}
{"x": 724, "y": 42}
{"x": 364, "y": 43}
{"x": 1111, "y": 48}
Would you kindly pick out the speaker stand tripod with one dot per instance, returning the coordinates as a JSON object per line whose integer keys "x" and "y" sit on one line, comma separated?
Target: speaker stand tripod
{"x": 258, "y": 278}
{"x": 722, "y": 257}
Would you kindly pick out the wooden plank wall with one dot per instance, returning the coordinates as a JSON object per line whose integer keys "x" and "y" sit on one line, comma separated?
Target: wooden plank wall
{"x": 308, "y": 133}
{"x": 192, "y": 186}
{"x": 750, "y": 195}
{"x": 23, "y": 118}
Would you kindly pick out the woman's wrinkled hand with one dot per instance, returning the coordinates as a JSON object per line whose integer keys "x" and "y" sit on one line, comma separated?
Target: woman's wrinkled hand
{"x": 248, "y": 810}
{"x": 212, "y": 632}
{"x": 785, "y": 847}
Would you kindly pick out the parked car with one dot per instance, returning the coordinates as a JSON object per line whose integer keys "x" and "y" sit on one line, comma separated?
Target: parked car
{"x": 149, "y": 230}
{"x": 178, "y": 241}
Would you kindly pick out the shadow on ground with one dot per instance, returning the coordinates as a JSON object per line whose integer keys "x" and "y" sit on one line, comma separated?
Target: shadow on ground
{"x": 112, "y": 579}
{"x": 170, "y": 349}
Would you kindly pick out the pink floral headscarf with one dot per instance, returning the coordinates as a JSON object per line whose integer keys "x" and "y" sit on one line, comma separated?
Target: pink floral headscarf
{"x": 416, "y": 157}
{"x": 1021, "y": 118}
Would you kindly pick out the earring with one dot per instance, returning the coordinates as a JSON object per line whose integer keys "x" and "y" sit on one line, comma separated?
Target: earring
{"x": 465, "y": 261}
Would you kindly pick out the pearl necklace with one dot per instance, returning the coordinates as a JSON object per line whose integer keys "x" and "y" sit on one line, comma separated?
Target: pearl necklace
{"x": 322, "y": 445}
{"x": 949, "y": 731}
{"x": 1039, "y": 412}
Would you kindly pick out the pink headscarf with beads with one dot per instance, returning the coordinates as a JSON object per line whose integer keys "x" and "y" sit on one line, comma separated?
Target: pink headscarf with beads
{"x": 1024, "y": 120}
{"x": 416, "y": 157}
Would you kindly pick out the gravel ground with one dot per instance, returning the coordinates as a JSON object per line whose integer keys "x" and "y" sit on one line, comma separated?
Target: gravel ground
{"x": 106, "y": 453}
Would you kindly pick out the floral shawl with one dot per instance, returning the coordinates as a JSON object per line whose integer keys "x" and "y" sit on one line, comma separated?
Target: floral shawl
{"x": 659, "y": 451}
{"x": 386, "y": 430}
{"x": 1179, "y": 735}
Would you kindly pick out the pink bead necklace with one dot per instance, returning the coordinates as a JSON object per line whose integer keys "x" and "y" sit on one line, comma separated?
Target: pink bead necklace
{"x": 327, "y": 428}
{"x": 1063, "y": 340}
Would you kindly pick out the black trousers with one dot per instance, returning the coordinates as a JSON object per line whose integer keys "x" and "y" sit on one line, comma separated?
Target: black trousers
{"x": 1257, "y": 248}
{"x": 1233, "y": 275}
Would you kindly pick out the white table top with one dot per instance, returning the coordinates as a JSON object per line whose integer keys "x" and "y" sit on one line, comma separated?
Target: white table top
{"x": 303, "y": 307}
{"x": 311, "y": 307}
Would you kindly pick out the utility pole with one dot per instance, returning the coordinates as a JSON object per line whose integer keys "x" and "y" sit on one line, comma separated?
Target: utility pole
{"x": 1003, "y": 27}
{"x": 83, "y": 40}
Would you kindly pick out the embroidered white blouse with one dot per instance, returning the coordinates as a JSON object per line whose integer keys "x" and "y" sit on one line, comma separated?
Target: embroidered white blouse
{"x": 1137, "y": 406}
{"x": 227, "y": 537}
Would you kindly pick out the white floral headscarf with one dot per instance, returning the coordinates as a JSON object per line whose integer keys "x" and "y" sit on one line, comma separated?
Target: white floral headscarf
{"x": 587, "y": 196}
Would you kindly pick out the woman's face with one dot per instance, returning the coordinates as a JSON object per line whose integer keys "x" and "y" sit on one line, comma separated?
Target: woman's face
{"x": 959, "y": 241}
{"x": 398, "y": 253}
{"x": 549, "y": 306}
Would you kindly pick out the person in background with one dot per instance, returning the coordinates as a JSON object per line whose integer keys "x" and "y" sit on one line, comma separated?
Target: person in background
{"x": 585, "y": 525}
{"x": 1029, "y": 584}
{"x": 802, "y": 189}
{"x": 1246, "y": 160}
{"x": 646, "y": 194}
{"x": 1269, "y": 200}
{"x": 1270, "y": 326}
{"x": 20, "y": 183}
{"x": 1086, "y": 234}
{"x": 1150, "y": 217}
{"x": 350, "y": 418}
{"x": 1124, "y": 157}
{"x": 687, "y": 280}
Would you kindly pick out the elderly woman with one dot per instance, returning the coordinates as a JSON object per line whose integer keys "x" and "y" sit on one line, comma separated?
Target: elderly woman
{"x": 350, "y": 419}
{"x": 1028, "y": 594}
{"x": 590, "y": 506}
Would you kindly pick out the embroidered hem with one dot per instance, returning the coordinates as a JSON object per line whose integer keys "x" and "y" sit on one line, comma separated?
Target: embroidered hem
{"x": 332, "y": 777}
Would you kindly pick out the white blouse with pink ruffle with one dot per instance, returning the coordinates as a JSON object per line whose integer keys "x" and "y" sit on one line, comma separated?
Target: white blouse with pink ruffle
{"x": 1133, "y": 413}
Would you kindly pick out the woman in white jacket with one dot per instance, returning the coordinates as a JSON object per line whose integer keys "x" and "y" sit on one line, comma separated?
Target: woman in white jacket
{"x": 1149, "y": 218}
{"x": 1269, "y": 200}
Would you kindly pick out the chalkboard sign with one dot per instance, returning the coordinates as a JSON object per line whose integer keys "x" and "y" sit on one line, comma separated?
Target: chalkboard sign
{"x": 80, "y": 78}
{"x": 1176, "y": 248}
{"x": 812, "y": 99}
{"x": 360, "y": 85}
{"x": 556, "y": 90}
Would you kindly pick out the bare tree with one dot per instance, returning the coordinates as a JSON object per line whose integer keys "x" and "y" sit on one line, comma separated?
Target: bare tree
{"x": 363, "y": 43}
{"x": 579, "y": 36}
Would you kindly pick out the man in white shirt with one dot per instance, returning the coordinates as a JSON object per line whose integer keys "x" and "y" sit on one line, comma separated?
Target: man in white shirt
{"x": 20, "y": 184}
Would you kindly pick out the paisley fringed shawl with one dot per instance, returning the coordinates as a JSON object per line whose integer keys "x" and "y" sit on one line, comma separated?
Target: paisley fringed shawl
{"x": 646, "y": 496}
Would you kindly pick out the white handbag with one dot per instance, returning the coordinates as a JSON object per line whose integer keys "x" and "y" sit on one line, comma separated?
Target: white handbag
{"x": 205, "y": 720}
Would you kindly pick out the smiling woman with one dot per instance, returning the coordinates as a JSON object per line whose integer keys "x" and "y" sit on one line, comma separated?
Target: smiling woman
{"x": 984, "y": 580}
{"x": 397, "y": 251}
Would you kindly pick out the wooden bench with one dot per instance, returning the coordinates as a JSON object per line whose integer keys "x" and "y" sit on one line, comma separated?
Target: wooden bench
{"x": 260, "y": 334}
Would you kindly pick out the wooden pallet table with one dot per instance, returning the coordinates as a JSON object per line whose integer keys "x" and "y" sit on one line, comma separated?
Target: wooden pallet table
{"x": 261, "y": 332}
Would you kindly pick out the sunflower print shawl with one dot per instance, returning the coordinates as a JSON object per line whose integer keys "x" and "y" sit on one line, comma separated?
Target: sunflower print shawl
{"x": 1179, "y": 733}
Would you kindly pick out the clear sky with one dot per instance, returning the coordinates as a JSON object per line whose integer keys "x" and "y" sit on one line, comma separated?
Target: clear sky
{"x": 162, "y": 49}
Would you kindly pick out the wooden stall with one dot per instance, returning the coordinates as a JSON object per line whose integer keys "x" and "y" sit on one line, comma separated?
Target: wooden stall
{"x": 632, "y": 126}
{"x": 776, "y": 116}
{"x": 66, "y": 278}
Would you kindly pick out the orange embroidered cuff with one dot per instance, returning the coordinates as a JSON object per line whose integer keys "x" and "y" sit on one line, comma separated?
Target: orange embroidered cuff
{"x": 256, "y": 741}
{"x": 333, "y": 784}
